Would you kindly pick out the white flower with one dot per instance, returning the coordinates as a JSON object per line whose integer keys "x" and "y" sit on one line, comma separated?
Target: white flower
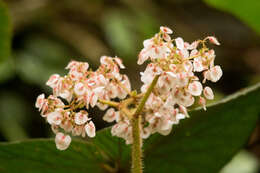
{"x": 150, "y": 72}
{"x": 72, "y": 64}
{"x": 53, "y": 80}
{"x": 79, "y": 89}
{"x": 81, "y": 117}
{"x": 208, "y": 93}
{"x": 66, "y": 94}
{"x": 111, "y": 115}
{"x": 119, "y": 62}
{"x": 183, "y": 98}
{"x": 62, "y": 141}
{"x": 90, "y": 129}
{"x": 214, "y": 74}
{"x": 66, "y": 125}
{"x": 40, "y": 101}
{"x": 195, "y": 88}
{"x": 166, "y": 30}
{"x": 179, "y": 43}
{"x": 213, "y": 40}
{"x": 78, "y": 130}
{"x": 54, "y": 118}
{"x": 197, "y": 64}
{"x": 93, "y": 98}
{"x": 75, "y": 75}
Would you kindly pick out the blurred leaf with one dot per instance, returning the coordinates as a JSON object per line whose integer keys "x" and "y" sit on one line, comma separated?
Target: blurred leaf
{"x": 203, "y": 143}
{"x": 13, "y": 116}
{"x": 119, "y": 33}
{"x": 5, "y": 33}
{"x": 40, "y": 58}
{"x": 41, "y": 156}
{"x": 6, "y": 69}
{"x": 241, "y": 163}
{"x": 247, "y": 11}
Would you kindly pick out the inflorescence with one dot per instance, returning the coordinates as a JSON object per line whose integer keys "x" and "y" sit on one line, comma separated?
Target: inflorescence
{"x": 178, "y": 66}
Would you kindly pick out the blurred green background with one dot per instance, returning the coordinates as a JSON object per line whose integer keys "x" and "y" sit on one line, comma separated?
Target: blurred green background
{"x": 47, "y": 34}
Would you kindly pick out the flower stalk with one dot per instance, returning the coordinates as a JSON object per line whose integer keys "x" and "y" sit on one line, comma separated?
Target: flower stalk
{"x": 137, "y": 165}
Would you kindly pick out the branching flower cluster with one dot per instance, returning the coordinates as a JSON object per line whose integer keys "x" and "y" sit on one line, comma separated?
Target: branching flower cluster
{"x": 175, "y": 74}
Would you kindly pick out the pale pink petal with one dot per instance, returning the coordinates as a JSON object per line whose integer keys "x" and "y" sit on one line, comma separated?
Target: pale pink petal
{"x": 53, "y": 80}
{"x": 62, "y": 141}
{"x": 111, "y": 115}
{"x": 79, "y": 89}
{"x": 179, "y": 43}
{"x": 202, "y": 102}
{"x": 195, "y": 88}
{"x": 81, "y": 118}
{"x": 119, "y": 62}
{"x": 166, "y": 30}
{"x": 90, "y": 129}
{"x": 215, "y": 73}
{"x": 208, "y": 93}
{"x": 54, "y": 118}
{"x": 40, "y": 101}
{"x": 213, "y": 40}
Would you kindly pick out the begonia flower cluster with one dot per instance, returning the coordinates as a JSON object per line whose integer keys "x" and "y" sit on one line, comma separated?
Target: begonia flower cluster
{"x": 179, "y": 65}
{"x": 76, "y": 92}
{"x": 182, "y": 70}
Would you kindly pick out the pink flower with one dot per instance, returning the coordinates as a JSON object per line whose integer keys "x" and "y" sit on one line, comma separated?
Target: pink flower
{"x": 202, "y": 102}
{"x": 195, "y": 88}
{"x": 62, "y": 141}
{"x": 166, "y": 30}
{"x": 40, "y": 101}
{"x": 90, "y": 129}
{"x": 208, "y": 93}
{"x": 53, "y": 80}
{"x": 111, "y": 115}
{"x": 179, "y": 43}
{"x": 213, "y": 40}
{"x": 214, "y": 74}
{"x": 119, "y": 62}
{"x": 81, "y": 117}
{"x": 54, "y": 118}
{"x": 79, "y": 89}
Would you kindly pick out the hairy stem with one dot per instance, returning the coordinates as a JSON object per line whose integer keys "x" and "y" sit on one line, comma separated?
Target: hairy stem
{"x": 137, "y": 165}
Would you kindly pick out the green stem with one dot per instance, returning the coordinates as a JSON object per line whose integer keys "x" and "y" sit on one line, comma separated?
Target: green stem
{"x": 108, "y": 102}
{"x": 146, "y": 96}
{"x": 137, "y": 165}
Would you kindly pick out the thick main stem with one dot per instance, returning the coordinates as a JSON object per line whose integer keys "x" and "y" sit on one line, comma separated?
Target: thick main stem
{"x": 137, "y": 165}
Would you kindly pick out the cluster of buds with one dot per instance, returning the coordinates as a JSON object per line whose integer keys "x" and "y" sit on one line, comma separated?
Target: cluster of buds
{"x": 174, "y": 69}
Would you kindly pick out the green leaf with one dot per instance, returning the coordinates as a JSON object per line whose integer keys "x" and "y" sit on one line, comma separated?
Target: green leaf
{"x": 203, "y": 143}
{"x": 41, "y": 156}
{"x": 5, "y": 33}
{"x": 209, "y": 139}
{"x": 247, "y": 11}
